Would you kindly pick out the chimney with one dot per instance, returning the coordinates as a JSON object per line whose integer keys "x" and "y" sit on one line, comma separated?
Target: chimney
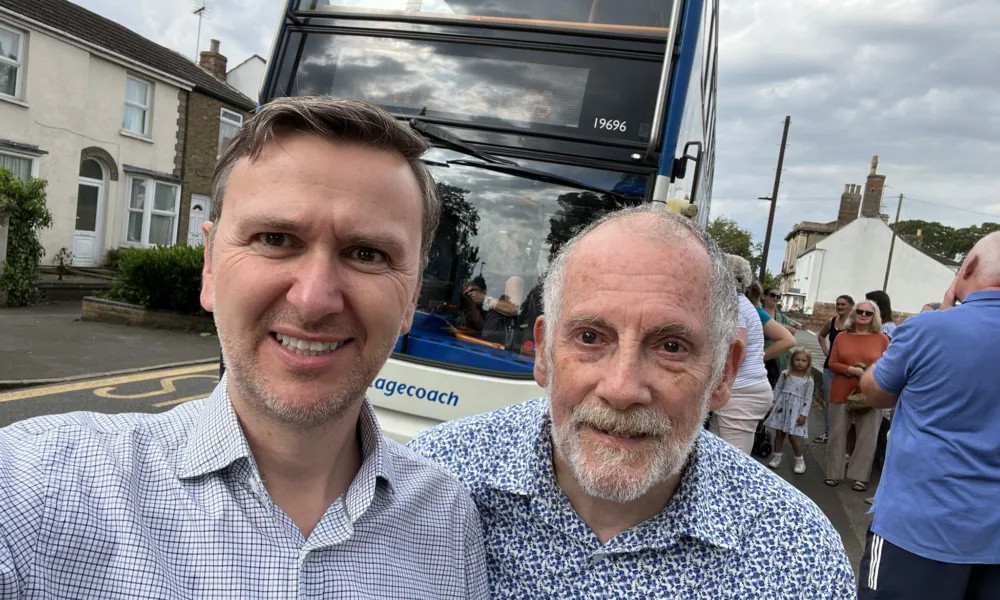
{"x": 871, "y": 205}
{"x": 213, "y": 62}
{"x": 850, "y": 202}
{"x": 916, "y": 240}
{"x": 884, "y": 217}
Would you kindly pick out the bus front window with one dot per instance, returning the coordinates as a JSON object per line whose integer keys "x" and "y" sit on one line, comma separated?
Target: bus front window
{"x": 481, "y": 290}
{"x": 650, "y": 16}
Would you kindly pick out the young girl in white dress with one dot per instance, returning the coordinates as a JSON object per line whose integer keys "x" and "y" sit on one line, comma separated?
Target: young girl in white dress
{"x": 790, "y": 413}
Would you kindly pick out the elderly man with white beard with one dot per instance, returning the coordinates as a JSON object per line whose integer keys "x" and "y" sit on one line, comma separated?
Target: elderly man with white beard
{"x": 610, "y": 487}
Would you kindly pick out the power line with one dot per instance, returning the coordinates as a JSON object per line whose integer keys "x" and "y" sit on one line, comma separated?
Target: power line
{"x": 952, "y": 207}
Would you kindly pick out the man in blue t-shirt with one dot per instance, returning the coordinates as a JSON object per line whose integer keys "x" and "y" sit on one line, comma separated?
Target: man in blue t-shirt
{"x": 936, "y": 531}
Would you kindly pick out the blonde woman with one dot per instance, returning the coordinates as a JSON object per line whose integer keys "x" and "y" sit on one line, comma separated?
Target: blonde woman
{"x": 854, "y": 351}
{"x": 751, "y": 396}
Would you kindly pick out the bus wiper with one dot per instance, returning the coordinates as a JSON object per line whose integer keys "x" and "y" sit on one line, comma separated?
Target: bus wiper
{"x": 441, "y": 135}
{"x": 536, "y": 175}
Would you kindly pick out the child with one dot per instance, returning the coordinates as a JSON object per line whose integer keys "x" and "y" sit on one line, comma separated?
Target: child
{"x": 792, "y": 398}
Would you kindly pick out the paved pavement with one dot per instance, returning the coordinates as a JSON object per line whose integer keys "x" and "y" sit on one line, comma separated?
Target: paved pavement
{"x": 49, "y": 341}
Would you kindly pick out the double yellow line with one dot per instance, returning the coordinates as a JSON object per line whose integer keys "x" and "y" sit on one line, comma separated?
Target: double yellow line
{"x": 104, "y": 388}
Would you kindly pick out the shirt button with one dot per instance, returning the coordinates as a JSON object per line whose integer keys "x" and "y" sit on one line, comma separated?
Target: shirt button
{"x": 598, "y": 556}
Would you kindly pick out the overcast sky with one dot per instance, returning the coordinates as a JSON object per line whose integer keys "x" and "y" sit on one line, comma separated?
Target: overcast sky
{"x": 916, "y": 82}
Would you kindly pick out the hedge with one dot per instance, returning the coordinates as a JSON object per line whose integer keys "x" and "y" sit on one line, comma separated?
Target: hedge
{"x": 160, "y": 278}
{"x": 28, "y": 216}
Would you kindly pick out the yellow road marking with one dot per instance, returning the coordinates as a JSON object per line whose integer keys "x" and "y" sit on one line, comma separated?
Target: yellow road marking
{"x": 166, "y": 387}
{"x": 111, "y": 381}
{"x": 179, "y": 400}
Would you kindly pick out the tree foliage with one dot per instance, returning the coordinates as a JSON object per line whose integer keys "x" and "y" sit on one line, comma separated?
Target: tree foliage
{"x": 28, "y": 216}
{"x": 733, "y": 239}
{"x": 945, "y": 241}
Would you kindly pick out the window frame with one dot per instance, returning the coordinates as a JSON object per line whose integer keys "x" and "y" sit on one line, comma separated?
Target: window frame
{"x": 227, "y": 120}
{"x": 17, "y": 64}
{"x": 33, "y": 159}
{"x": 148, "y": 210}
{"x": 147, "y": 109}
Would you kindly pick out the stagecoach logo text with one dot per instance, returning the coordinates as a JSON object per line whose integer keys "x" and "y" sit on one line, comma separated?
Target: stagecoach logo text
{"x": 398, "y": 388}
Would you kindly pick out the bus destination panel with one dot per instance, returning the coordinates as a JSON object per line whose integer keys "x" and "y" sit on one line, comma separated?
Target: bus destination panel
{"x": 584, "y": 96}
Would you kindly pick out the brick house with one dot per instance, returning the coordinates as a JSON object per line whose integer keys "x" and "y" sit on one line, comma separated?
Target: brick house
{"x": 209, "y": 122}
{"x": 125, "y": 131}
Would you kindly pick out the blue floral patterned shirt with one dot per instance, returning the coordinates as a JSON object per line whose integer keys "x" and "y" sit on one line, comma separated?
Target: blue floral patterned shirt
{"x": 732, "y": 530}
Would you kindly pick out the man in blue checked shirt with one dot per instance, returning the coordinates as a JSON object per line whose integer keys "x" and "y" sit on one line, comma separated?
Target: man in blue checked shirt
{"x": 610, "y": 487}
{"x": 281, "y": 484}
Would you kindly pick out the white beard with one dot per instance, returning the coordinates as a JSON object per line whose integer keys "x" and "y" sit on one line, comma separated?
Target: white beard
{"x": 611, "y": 473}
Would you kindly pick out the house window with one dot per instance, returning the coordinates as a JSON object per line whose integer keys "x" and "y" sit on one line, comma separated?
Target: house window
{"x": 152, "y": 212}
{"x": 229, "y": 122}
{"x": 22, "y": 167}
{"x": 136, "y": 116}
{"x": 11, "y": 52}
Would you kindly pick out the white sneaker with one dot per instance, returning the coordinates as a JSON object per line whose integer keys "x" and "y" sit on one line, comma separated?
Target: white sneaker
{"x": 775, "y": 461}
{"x": 800, "y": 464}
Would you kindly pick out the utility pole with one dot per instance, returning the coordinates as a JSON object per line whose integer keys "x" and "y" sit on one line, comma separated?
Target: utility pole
{"x": 892, "y": 244}
{"x": 774, "y": 200}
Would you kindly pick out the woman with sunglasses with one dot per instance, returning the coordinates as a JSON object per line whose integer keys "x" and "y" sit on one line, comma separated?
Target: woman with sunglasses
{"x": 854, "y": 351}
{"x": 778, "y": 365}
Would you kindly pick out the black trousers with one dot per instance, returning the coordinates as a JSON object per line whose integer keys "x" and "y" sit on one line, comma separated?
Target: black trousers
{"x": 890, "y": 573}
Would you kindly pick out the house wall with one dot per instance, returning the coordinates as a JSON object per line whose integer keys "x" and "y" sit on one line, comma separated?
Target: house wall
{"x": 247, "y": 77}
{"x": 201, "y": 152}
{"x": 853, "y": 261}
{"x": 75, "y": 100}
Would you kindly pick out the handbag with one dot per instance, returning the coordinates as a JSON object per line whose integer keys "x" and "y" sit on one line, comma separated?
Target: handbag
{"x": 856, "y": 403}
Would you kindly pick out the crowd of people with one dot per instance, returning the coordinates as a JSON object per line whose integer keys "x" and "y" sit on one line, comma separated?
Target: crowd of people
{"x": 926, "y": 389}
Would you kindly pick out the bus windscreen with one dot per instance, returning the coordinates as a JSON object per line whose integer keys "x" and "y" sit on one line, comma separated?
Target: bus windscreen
{"x": 560, "y": 93}
{"x": 639, "y": 16}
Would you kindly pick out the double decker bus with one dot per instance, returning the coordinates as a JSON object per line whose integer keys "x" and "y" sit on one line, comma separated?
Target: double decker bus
{"x": 543, "y": 115}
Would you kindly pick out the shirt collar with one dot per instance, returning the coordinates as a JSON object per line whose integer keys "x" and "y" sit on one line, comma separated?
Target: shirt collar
{"x": 696, "y": 509}
{"x": 982, "y": 295}
{"x": 218, "y": 441}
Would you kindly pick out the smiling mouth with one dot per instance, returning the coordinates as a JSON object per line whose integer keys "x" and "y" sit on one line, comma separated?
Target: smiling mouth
{"x": 307, "y": 348}
{"x": 625, "y": 435}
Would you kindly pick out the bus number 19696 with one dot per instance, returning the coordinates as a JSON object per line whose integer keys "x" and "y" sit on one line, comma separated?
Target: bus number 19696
{"x": 609, "y": 124}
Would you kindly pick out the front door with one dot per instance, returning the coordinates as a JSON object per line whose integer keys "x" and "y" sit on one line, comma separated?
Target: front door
{"x": 89, "y": 208}
{"x": 199, "y": 212}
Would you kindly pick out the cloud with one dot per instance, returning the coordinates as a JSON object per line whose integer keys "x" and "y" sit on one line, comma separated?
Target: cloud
{"x": 913, "y": 81}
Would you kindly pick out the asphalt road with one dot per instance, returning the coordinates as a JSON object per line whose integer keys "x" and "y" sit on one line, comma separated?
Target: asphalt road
{"x": 158, "y": 391}
{"x": 150, "y": 392}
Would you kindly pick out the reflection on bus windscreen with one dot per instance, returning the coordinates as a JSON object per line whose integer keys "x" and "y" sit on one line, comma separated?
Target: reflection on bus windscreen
{"x": 481, "y": 290}
{"x": 650, "y": 15}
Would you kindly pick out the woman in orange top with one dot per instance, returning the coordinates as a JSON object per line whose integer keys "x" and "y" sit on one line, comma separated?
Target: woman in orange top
{"x": 854, "y": 351}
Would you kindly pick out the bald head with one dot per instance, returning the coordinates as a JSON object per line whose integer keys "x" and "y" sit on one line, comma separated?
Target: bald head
{"x": 981, "y": 268}
{"x": 683, "y": 242}
{"x": 988, "y": 252}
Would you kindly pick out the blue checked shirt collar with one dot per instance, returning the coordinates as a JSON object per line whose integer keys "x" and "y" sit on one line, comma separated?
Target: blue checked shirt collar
{"x": 218, "y": 443}
{"x": 695, "y": 510}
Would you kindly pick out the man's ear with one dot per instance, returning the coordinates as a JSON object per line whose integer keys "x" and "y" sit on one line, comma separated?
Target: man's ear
{"x": 969, "y": 267}
{"x": 541, "y": 364}
{"x": 207, "y": 285}
{"x": 411, "y": 309}
{"x": 720, "y": 395}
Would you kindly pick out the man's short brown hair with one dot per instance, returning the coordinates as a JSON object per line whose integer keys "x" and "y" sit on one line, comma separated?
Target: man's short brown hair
{"x": 336, "y": 120}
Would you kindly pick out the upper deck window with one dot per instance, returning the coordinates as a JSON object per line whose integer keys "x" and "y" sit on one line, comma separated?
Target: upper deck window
{"x": 640, "y": 16}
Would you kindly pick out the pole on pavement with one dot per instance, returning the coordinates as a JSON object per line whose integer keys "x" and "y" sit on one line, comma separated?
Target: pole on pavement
{"x": 774, "y": 200}
{"x": 892, "y": 244}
